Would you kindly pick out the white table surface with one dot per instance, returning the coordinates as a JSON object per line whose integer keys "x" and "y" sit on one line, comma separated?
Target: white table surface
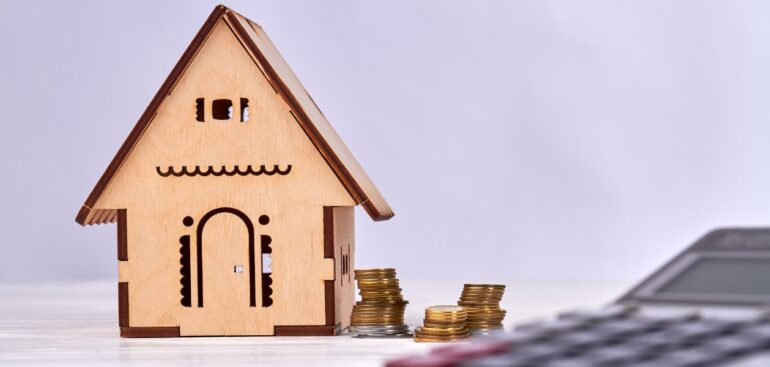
{"x": 63, "y": 324}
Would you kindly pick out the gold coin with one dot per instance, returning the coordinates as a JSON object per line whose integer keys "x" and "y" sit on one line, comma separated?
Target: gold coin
{"x": 429, "y": 324}
{"x": 378, "y": 284}
{"x": 378, "y": 288}
{"x": 378, "y": 311}
{"x": 485, "y": 313}
{"x": 366, "y": 311}
{"x": 482, "y": 296}
{"x": 478, "y": 307}
{"x": 383, "y": 299}
{"x": 476, "y": 313}
{"x": 394, "y": 303}
{"x": 383, "y": 292}
{"x": 457, "y": 330}
{"x": 483, "y": 291}
{"x": 419, "y": 336}
{"x": 365, "y": 296}
{"x": 382, "y": 313}
{"x": 377, "y": 317}
{"x": 493, "y": 286}
{"x": 374, "y": 270}
{"x": 421, "y": 339}
{"x": 444, "y": 316}
{"x": 480, "y": 302}
{"x": 471, "y": 297}
{"x": 477, "y": 303}
{"x": 442, "y": 309}
{"x": 444, "y": 335}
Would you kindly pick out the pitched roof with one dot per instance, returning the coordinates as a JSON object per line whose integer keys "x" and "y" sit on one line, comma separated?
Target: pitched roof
{"x": 311, "y": 119}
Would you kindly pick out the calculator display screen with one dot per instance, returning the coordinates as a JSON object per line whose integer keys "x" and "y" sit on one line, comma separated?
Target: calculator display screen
{"x": 727, "y": 276}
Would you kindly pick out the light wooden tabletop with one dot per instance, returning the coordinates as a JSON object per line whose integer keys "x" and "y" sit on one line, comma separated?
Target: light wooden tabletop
{"x": 61, "y": 324}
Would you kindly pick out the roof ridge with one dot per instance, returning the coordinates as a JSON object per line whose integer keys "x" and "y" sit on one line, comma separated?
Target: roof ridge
{"x": 358, "y": 184}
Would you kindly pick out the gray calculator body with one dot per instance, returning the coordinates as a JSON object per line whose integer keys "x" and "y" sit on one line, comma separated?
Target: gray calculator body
{"x": 725, "y": 274}
{"x": 706, "y": 307}
{"x": 727, "y": 267}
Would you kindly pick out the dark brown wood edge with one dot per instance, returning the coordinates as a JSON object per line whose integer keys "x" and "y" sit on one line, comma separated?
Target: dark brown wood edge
{"x": 139, "y": 332}
{"x": 150, "y": 112}
{"x": 307, "y": 330}
{"x": 82, "y": 215}
{"x": 329, "y": 302}
{"x": 328, "y": 232}
{"x": 304, "y": 121}
{"x": 150, "y": 332}
{"x": 339, "y": 169}
{"x": 123, "y": 304}
{"x": 323, "y": 147}
{"x": 122, "y": 235}
{"x": 219, "y": 12}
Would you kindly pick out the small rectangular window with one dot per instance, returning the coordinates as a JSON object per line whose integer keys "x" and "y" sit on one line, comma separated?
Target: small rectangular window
{"x": 244, "y": 109}
{"x": 222, "y": 109}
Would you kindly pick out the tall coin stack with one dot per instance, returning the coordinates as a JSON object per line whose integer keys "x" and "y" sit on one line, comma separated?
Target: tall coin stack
{"x": 380, "y": 313}
{"x": 482, "y": 301}
{"x": 443, "y": 324}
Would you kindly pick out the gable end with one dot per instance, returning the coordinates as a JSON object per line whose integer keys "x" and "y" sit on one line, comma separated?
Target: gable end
{"x": 320, "y": 132}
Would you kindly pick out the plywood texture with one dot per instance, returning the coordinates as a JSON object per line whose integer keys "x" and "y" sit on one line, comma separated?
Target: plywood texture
{"x": 344, "y": 252}
{"x": 157, "y": 206}
{"x": 273, "y": 69}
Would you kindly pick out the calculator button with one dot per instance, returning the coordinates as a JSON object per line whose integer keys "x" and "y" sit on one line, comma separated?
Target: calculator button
{"x": 580, "y": 340}
{"x": 610, "y": 313}
{"x": 684, "y": 358}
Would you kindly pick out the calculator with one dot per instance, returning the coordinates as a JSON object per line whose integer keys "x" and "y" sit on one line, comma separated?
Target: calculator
{"x": 708, "y": 306}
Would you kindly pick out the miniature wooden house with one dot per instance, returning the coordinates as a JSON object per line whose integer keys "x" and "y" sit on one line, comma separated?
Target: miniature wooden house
{"x": 234, "y": 199}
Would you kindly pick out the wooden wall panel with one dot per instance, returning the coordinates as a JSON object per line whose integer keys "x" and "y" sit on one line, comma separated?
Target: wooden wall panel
{"x": 159, "y": 205}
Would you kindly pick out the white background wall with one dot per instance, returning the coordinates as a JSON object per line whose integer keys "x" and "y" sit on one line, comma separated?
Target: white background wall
{"x": 515, "y": 139}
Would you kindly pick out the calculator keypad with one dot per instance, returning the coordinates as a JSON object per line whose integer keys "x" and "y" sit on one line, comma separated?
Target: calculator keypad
{"x": 608, "y": 338}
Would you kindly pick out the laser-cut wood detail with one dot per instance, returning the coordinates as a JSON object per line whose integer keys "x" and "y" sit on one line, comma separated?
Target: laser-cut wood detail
{"x": 150, "y": 332}
{"x": 123, "y": 304}
{"x": 223, "y": 171}
{"x": 267, "y": 279}
{"x": 245, "y": 110}
{"x": 200, "y": 110}
{"x": 307, "y": 330}
{"x": 231, "y": 58}
{"x": 199, "y": 248}
{"x": 186, "y": 280}
{"x": 222, "y": 109}
{"x": 122, "y": 235}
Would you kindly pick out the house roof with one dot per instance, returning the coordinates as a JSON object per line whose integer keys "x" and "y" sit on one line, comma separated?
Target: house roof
{"x": 313, "y": 122}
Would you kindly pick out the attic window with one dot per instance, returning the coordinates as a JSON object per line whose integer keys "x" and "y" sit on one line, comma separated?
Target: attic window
{"x": 222, "y": 109}
{"x": 244, "y": 109}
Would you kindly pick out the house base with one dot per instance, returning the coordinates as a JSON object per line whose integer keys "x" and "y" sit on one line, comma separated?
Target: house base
{"x": 173, "y": 331}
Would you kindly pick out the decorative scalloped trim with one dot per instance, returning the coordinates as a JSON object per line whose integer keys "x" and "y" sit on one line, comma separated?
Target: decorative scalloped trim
{"x": 184, "y": 171}
{"x": 267, "y": 280}
{"x": 185, "y": 281}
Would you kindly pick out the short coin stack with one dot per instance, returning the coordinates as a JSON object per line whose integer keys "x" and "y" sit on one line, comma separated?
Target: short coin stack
{"x": 443, "y": 324}
{"x": 380, "y": 313}
{"x": 482, "y": 301}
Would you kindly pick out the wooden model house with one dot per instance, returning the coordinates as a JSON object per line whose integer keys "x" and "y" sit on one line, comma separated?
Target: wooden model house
{"x": 234, "y": 199}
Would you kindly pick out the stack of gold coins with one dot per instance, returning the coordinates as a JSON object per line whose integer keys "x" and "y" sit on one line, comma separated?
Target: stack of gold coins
{"x": 482, "y": 302}
{"x": 443, "y": 324}
{"x": 380, "y": 313}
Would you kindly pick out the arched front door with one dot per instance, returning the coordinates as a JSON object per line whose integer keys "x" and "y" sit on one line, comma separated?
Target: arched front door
{"x": 226, "y": 264}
